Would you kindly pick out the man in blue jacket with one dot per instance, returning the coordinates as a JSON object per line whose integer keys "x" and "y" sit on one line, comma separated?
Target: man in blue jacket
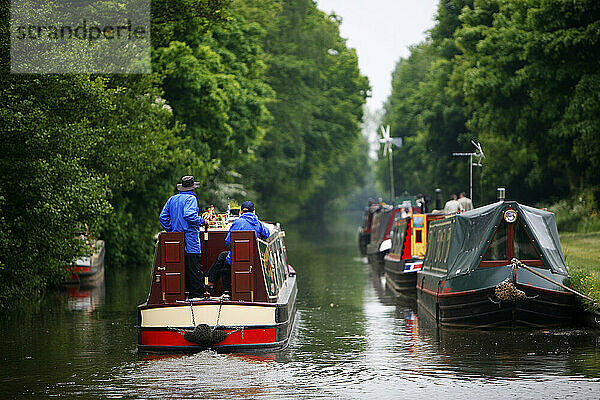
{"x": 248, "y": 221}
{"x": 180, "y": 214}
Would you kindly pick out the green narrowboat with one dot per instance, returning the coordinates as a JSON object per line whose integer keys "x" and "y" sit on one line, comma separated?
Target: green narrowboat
{"x": 500, "y": 265}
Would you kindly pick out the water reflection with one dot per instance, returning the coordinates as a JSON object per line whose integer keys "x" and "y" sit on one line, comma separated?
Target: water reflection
{"x": 353, "y": 339}
{"x": 85, "y": 298}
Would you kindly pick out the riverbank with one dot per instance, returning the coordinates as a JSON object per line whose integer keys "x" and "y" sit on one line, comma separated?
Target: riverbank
{"x": 582, "y": 253}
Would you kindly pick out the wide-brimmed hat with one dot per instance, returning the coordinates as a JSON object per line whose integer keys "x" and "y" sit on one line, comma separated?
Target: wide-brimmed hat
{"x": 187, "y": 183}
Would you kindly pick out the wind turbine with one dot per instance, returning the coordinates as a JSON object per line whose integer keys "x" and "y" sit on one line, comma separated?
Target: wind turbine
{"x": 388, "y": 145}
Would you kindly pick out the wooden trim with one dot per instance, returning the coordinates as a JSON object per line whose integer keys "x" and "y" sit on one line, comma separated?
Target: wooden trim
{"x": 510, "y": 239}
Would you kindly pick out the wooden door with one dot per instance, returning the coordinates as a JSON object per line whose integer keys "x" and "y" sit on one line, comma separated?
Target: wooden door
{"x": 243, "y": 245}
{"x": 172, "y": 266}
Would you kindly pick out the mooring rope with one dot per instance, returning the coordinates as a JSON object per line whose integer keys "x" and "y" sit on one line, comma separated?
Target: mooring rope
{"x": 518, "y": 263}
{"x": 219, "y": 312}
{"x": 192, "y": 310}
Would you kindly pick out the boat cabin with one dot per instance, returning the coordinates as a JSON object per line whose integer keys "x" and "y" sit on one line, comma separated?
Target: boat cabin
{"x": 409, "y": 238}
{"x": 492, "y": 236}
{"x": 259, "y": 269}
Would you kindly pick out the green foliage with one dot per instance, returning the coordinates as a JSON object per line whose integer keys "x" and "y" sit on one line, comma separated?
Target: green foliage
{"x": 309, "y": 155}
{"x": 522, "y": 78}
{"x": 251, "y": 97}
{"x": 577, "y": 213}
{"x": 582, "y": 253}
{"x": 214, "y": 80}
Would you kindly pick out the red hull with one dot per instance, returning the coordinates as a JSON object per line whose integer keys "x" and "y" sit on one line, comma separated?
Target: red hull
{"x": 242, "y": 338}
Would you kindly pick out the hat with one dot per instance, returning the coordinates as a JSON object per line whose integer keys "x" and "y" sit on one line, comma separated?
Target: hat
{"x": 247, "y": 206}
{"x": 187, "y": 184}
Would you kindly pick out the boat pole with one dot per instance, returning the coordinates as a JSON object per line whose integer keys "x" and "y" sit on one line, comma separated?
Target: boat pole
{"x": 518, "y": 263}
{"x": 205, "y": 237}
{"x": 392, "y": 178}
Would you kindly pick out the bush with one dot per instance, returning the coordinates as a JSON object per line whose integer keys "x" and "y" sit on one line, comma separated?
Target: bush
{"x": 577, "y": 214}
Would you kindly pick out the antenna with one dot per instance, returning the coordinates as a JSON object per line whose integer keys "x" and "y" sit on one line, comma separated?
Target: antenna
{"x": 478, "y": 154}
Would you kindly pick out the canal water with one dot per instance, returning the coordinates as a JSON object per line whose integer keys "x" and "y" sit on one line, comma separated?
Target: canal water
{"x": 352, "y": 339}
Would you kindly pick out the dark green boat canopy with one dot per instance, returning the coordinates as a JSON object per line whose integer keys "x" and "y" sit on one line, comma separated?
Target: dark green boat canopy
{"x": 472, "y": 231}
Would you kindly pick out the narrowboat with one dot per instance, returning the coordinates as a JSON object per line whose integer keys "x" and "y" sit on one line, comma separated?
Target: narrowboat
{"x": 258, "y": 314}
{"x": 364, "y": 230}
{"x": 405, "y": 258}
{"x": 380, "y": 241}
{"x": 382, "y": 223}
{"x": 88, "y": 270}
{"x": 500, "y": 265}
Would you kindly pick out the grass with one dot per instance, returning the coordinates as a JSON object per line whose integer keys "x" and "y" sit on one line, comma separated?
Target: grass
{"x": 582, "y": 253}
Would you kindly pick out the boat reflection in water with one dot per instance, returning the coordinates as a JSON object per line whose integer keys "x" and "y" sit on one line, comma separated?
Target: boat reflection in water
{"x": 86, "y": 297}
{"x": 530, "y": 354}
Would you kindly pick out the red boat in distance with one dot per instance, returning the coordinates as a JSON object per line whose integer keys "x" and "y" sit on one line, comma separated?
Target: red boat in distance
{"x": 364, "y": 230}
{"x": 381, "y": 229}
{"x": 258, "y": 315}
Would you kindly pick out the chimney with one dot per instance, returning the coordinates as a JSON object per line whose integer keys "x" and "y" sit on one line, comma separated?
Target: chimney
{"x": 501, "y": 192}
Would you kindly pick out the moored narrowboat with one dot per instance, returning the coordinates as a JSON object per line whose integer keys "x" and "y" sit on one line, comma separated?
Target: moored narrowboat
{"x": 364, "y": 230}
{"x": 500, "y": 265}
{"x": 405, "y": 258}
{"x": 88, "y": 270}
{"x": 380, "y": 240}
{"x": 257, "y": 315}
{"x": 381, "y": 227}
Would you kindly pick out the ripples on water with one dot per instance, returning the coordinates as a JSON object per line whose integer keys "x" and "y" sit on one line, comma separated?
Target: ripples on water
{"x": 352, "y": 340}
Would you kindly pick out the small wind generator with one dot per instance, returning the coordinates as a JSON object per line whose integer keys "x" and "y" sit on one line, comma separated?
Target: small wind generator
{"x": 388, "y": 145}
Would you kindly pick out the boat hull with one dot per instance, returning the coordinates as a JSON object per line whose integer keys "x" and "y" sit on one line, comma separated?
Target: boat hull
{"x": 251, "y": 326}
{"x": 90, "y": 273}
{"x": 376, "y": 259}
{"x": 469, "y": 301}
{"x": 401, "y": 282}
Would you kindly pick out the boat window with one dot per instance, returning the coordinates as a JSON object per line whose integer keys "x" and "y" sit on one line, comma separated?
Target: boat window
{"x": 400, "y": 237}
{"x": 269, "y": 271}
{"x": 440, "y": 248}
{"x": 446, "y": 246}
{"x": 498, "y": 249}
{"x": 524, "y": 249}
{"x": 431, "y": 246}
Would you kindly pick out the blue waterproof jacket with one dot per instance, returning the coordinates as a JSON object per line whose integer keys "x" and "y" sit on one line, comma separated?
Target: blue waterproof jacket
{"x": 180, "y": 214}
{"x": 248, "y": 221}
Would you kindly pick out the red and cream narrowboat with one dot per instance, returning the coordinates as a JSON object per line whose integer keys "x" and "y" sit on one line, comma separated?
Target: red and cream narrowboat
{"x": 258, "y": 314}
{"x": 88, "y": 270}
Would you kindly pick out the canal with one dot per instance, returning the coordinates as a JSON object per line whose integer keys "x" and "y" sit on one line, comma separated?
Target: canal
{"x": 352, "y": 339}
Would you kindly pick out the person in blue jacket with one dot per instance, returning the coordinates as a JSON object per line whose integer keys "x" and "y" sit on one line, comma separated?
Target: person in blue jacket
{"x": 180, "y": 214}
{"x": 248, "y": 221}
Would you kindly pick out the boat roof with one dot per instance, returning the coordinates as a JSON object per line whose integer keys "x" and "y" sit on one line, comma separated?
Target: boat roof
{"x": 473, "y": 230}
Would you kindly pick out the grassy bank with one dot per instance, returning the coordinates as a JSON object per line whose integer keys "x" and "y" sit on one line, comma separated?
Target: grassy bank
{"x": 582, "y": 253}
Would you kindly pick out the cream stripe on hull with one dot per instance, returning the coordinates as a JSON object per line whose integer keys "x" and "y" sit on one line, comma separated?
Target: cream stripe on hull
{"x": 231, "y": 315}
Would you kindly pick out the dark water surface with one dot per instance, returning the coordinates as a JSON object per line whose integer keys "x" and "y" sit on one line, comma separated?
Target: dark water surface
{"x": 352, "y": 340}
